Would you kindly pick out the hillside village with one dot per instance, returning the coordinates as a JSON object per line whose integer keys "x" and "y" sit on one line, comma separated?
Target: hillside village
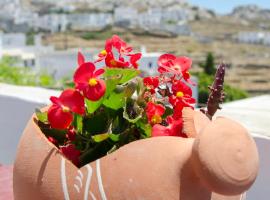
{"x": 57, "y": 29}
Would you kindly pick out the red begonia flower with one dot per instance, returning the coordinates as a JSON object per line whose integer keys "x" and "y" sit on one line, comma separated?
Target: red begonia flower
{"x": 111, "y": 62}
{"x": 177, "y": 110}
{"x": 53, "y": 140}
{"x": 71, "y": 134}
{"x": 86, "y": 80}
{"x": 108, "y": 49}
{"x": 80, "y": 58}
{"x": 134, "y": 59}
{"x": 181, "y": 94}
{"x": 182, "y": 63}
{"x": 71, "y": 153}
{"x": 174, "y": 128}
{"x": 175, "y": 65}
{"x": 154, "y": 112}
{"x": 60, "y": 113}
{"x": 120, "y": 45}
{"x": 165, "y": 61}
{"x": 151, "y": 83}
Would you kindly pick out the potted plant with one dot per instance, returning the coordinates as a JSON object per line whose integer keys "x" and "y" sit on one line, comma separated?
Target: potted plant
{"x": 116, "y": 135}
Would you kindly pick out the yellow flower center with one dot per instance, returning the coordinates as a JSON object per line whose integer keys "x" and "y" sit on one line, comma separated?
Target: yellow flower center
{"x": 156, "y": 119}
{"x": 113, "y": 63}
{"x": 103, "y": 52}
{"x": 179, "y": 94}
{"x": 177, "y": 67}
{"x": 92, "y": 81}
{"x": 65, "y": 109}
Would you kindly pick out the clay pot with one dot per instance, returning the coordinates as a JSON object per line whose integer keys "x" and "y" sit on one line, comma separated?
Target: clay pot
{"x": 222, "y": 158}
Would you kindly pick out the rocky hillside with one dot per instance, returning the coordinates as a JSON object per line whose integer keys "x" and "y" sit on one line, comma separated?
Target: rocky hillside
{"x": 251, "y": 12}
{"x": 193, "y": 12}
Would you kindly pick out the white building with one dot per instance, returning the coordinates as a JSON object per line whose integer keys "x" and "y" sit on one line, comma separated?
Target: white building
{"x": 52, "y": 22}
{"x": 266, "y": 40}
{"x": 59, "y": 64}
{"x": 149, "y": 19}
{"x": 22, "y": 16}
{"x": 12, "y": 40}
{"x": 95, "y": 21}
{"x": 254, "y": 37}
{"x": 8, "y": 8}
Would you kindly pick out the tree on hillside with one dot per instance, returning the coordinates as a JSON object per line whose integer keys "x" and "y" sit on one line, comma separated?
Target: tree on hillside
{"x": 209, "y": 64}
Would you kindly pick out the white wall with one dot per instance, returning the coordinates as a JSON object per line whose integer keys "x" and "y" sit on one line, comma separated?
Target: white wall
{"x": 17, "y": 104}
{"x": 260, "y": 189}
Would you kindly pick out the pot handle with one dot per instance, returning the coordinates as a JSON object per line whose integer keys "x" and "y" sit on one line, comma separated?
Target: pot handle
{"x": 225, "y": 157}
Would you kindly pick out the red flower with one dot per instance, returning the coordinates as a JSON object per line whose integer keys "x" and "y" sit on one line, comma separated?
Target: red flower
{"x": 134, "y": 59}
{"x": 123, "y": 50}
{"x": 151, "y": 83}
{"x": 108, "y": 49}
{"x": 154, "y": 112}
{"x": 117, "y": 43}
{"x": 181, "y": 94}
{"x": 71, "y": 134}
{"x": 53, "y": 140}
{"x": 113, "y": 63}
{"x": 60, "y": 113}
{"x": 80, "y": 58}
{"x": 177, "y": 110}
{"x": 86, "y": 80}
{"x": 120, "y": 45}
{"x": 174, "y": 128}
{"x": 71, "y": 153}
{"x": 175, "y": 65}
{"x": 165, "y": 61}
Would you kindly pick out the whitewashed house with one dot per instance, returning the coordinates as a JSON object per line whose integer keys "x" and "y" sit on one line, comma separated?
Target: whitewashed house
{"x": 22, "y": 16}
{"x": 8, "y": 8}
{"x": 94, "y": 21}
{"x": 14, "y": 45}
{"x": 60, "y": 64}
{"x": 266, "y": 40}
{"x": 11, "y": 40}
{"x": 52, "y": 22}
{"x": 151, "y": 18}
{"x": 253, "y": 37}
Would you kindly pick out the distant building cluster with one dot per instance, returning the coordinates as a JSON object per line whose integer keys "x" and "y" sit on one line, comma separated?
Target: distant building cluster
{"x": 57, "y": 63}
{"x": 14, "y": 17}
{"x": 173, "y": 21}
{"x": 262, "y": 38}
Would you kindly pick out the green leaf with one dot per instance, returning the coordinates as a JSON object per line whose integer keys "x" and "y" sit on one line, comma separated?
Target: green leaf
{"x": 100, "y": 137}
{"x": 145, "y": 127}
{"x": 115, "y": 101}
{"x": 111, "y": 84}
{"x": 42, "y": 116}
{"x": 114, "y": 137}
{"x": 98, "y": 151}
{"x": 97, "y": 123}
{"x": 78, "y": 123}
{"x": 117, "y": 98}
{"x": 127, "y": 74}
{"x": 132, "y": 112}
{"x": 59, "y": 135}
{"x": 92, "y": 106}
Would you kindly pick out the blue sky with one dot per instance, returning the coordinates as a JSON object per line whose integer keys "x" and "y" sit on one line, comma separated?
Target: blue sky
{"x": 225, "y": 6}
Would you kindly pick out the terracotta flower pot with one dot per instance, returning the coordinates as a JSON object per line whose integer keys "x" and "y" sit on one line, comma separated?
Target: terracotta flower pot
{"x": 222, "y": 158}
